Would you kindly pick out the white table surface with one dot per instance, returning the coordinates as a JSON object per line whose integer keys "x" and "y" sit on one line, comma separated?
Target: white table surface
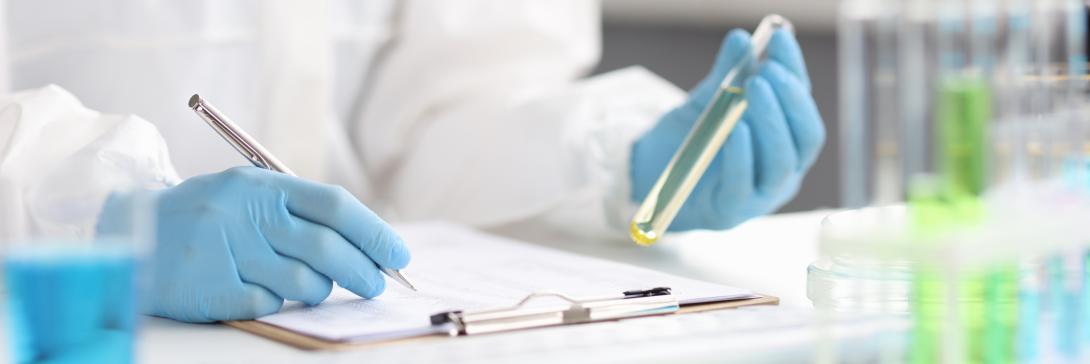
{"x": 768, "y": 255}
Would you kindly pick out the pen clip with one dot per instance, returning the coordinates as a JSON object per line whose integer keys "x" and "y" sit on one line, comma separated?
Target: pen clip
{"x": 242, "y": 142}
{"x": 657, "y": 291}
{"x": 246, "y": 150}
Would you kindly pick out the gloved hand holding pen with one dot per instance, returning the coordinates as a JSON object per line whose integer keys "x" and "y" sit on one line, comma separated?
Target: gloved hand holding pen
{"x": 762, "y": 163}
{"x": 234, "y": 245}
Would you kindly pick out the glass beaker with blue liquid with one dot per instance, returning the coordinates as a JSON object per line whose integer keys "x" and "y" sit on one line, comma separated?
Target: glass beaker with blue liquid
{"x": 72, "y": 284}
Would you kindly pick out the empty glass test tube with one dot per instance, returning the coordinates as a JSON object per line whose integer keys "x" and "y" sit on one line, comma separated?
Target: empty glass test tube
{"x": 697, "y": 151}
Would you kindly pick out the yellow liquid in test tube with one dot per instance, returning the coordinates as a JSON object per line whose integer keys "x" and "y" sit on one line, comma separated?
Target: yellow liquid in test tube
{"x": 699, "y": 149}
{"x": 681, "y": 175}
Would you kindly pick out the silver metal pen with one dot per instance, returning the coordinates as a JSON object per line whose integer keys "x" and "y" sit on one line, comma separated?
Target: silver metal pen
{"x": 256, "y": 154}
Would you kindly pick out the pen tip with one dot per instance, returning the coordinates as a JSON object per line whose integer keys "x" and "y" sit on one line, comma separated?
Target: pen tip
{"x": 398, "y": 277}
{"x": 405, "y": 282}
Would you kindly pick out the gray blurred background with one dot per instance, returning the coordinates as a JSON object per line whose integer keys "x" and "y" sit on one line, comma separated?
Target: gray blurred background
{"x": 678, "y": 40}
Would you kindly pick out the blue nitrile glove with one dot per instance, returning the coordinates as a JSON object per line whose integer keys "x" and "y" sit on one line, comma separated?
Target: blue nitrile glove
{"x": 234, "y": 245}
{"x": 763, "y": 161}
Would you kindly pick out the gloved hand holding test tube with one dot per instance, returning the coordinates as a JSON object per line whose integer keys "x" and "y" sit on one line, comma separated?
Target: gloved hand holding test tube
{"x": 676, "y": 183}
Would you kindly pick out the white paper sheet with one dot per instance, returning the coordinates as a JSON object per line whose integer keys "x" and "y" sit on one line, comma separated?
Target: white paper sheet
{"x": 456, "y": 268}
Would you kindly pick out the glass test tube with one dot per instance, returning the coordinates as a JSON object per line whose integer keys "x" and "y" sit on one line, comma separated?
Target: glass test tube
{"x": 701, "y": 145}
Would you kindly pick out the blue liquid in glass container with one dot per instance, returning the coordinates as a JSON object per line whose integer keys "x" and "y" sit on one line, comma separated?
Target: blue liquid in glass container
{"x": 71, "y": 305}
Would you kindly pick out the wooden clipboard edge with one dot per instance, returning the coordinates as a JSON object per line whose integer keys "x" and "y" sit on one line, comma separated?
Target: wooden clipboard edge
{"x": 304, "y": 342}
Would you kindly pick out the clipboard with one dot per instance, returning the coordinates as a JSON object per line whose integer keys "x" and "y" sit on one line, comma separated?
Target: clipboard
{"x": 629, "y": 305}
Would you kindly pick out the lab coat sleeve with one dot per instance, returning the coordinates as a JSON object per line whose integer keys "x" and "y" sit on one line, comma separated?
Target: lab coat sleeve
{"x": 480, "y": 115}
{"x": 59, "y": 161}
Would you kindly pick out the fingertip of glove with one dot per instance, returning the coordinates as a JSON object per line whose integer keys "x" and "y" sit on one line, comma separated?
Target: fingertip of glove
{"x": 269, "y": 307}
{"x": 784, "y": 47}
{"x": 399, "y": 255}
{"x": 783, "y": 39}
{"x": 263, "y": 302}
{"x": 736, "y": 36}
{"x": 319, "y": 292}
{"x": 784, "y": 44}
{"x": 374, "y": 289}
{"x": 736, "y": 42}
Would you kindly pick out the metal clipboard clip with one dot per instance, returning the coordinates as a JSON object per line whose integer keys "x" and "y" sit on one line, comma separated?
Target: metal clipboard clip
{"x": 655, "y": 301}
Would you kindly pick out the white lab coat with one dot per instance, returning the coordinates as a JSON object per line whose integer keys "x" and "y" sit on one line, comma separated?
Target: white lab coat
{"x": 474, "y": 111}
